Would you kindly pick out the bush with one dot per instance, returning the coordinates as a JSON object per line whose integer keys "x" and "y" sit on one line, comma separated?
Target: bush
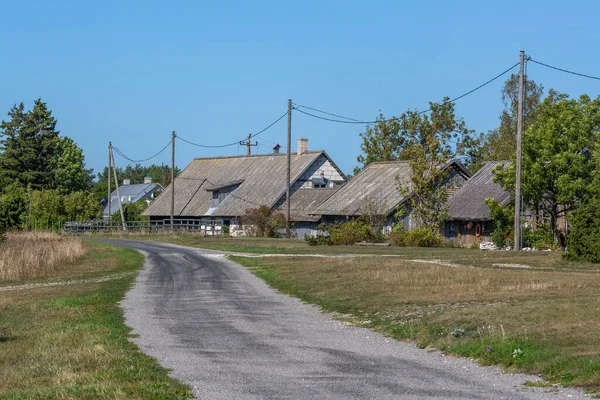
{"x": 398, "y": 239}
{"x": 13, "y": 206}
{"x": 318, "y": 240}
{"x": 263, "y": 222}
{"x": 583, "y": 242}
{"x": 539, "y": 239}
{"x": 418, "y": 237}
{"x": 353, "y": 231}
{"x": 423, "y": 237}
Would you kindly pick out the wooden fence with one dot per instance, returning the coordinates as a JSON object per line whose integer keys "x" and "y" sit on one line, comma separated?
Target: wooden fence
{"x": 185, "y": 225}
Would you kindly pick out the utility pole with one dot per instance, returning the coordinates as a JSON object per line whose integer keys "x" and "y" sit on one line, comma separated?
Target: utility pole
{"x": 172, "y": 177}
{"x": 517, "y": 228}
{"x": 289, "y": 168}
{"x": 248, "y": 144}
{"x": 108, "y": 176}
{"x": 117, "y": 186}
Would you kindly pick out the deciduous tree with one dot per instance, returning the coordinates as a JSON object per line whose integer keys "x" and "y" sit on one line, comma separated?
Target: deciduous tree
{"x": 557, "y": 167}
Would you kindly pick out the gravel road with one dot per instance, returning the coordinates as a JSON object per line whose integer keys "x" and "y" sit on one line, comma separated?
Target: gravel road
{"x": 228, "y": 335}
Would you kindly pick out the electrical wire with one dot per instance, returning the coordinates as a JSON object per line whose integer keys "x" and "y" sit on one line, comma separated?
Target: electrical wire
{"x": 232, "y": 143}
{"x": 119, "y": 152}
{"x": 564, "y": 70}
{"x": 327, "y": 113}
{"x": 355, "y": 121}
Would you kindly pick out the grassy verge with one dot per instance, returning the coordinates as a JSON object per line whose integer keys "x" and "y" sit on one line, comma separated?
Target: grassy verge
{"x": 460, "y": 256}
{"x": 532, "y": 320}
{"x": 70, "y": 342}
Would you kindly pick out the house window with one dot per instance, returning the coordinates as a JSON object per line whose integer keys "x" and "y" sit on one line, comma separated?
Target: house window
{"x": 320, "y": 182}
{"x": 219, "y": 195}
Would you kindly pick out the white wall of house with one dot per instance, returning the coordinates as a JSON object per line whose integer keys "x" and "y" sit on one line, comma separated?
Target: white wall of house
{"x": 323, "y": 165}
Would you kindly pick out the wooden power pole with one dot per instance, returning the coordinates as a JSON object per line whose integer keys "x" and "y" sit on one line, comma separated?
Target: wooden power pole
{"x": 248, "y": 144}
{"x": 289, "y": 169}
{"x": 517, "y": 245}
{"x": 172, "y": 178}
{"x": 109, "y": 198}
{"x": 117, "y": 186}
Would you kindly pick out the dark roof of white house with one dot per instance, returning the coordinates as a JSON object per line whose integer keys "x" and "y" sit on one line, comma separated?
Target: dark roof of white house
{"x": 130, "y": 194}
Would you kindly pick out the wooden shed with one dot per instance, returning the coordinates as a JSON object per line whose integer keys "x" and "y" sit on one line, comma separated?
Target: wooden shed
{"x": 470, "y": 222}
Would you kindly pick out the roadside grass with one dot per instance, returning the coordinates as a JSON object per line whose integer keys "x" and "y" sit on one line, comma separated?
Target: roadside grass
{"x": 531, "y": 320}
{"x": 33, "y": 254}
{"x": 461, "y": 256}
{"x": 70, "y": 342}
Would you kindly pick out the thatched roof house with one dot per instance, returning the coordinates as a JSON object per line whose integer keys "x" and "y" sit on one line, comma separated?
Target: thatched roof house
{"x": 375, "y": 189}
{"x": 223, "y": 188}
{"x": 470, "y": 220}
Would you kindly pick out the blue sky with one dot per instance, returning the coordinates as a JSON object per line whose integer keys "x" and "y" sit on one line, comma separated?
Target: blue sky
{"x": 131, "y": 72}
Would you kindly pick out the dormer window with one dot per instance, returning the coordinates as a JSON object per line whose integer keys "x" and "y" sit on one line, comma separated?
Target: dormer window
{"x": 320, "y": 182}
{"x": 221, "y": 192}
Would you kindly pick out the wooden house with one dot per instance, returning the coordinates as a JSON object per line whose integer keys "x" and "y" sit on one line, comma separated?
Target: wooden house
{"x": 470, "y": 220}
{"x": 375, "y": 191}
{"x": 217, "y": 191}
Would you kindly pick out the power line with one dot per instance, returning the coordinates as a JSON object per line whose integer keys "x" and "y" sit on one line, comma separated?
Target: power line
{"x": 232, "y": 143}
{"x": 564, "y": 70}
{"x": 119, "y": 152}
{"x": 355, "y": 121}
{"x": 327, "y": 113}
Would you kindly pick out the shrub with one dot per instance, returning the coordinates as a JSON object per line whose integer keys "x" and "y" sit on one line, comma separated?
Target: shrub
{"x": 263, "y": 222}
{"x": 225, "y": 229}
{"x": 503, "y": 222}
{"x": 398, "y": 239}
{"x": 351, "y": 232}
{"x": 583, "y": 242}
{"x": 317, "y": 240}
{"x": 539, "y": 239}
{"x": 13, "y": 206}
{"x": 422, "y": 237}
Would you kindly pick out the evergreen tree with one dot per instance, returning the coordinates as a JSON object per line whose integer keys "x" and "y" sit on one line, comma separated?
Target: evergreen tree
{"x": 70, "y": 174}
{"x": 29, "y": 147}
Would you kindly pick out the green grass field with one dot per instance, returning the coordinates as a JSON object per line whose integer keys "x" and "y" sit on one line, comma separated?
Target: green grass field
{"x": 70, "y": 342}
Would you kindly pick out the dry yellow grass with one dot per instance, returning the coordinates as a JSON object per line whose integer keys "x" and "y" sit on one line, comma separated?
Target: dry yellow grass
{"x": 551, "y": 314}
{"x": 26, "y": 255}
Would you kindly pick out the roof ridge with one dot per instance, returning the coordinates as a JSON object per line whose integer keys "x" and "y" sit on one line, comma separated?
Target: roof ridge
{"x": 258, "y": 155}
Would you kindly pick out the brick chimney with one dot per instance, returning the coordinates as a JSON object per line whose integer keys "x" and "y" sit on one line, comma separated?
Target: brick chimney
{"x": 276, "y": 148}
{"x": 147, "y": 179}
{"x": 302, "y": 145}
{"x": 126, "y": 181}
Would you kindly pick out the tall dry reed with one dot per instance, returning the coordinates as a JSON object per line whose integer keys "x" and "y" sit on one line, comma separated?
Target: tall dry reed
{"x": 32, "y": 254}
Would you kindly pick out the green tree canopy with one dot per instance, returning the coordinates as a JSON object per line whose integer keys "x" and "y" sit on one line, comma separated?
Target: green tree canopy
{"x": 33, "y": 155}
{"x": 70, "y": 174}
{"x": 429, "y": 142}
{"x": 557, "y": 167}
{"x": 500, "y": 143}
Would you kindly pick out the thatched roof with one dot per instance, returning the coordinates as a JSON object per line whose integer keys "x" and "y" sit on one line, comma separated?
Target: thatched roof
{"x": 468, "y": 203}
{"x": 261, "y": 180}
{"x": 305, "y": 201}
{"x": 376, "y": 184}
